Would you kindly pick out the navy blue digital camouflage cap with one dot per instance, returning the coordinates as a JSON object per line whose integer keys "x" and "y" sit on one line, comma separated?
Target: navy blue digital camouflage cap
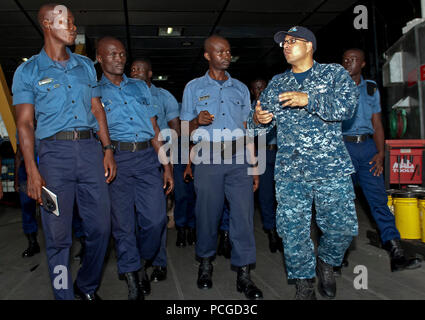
{"x": 297, "y": 32}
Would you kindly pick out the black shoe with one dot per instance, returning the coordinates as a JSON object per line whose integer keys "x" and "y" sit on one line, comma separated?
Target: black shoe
{"x": 134, "y": 291}
{"x": 181, "y": 237}
{"x": 326, "y": 279}
{"x": 244, "y": 284}
{"x": 79, "y": 295}
{"x": 205, "y": 274}
{"x": 224, "y": 246}
{"x": 191, "y": 236}
{"x": 144, "y": 283}
{"x": 80, "y": 254}
{"x": 33, "y": 246}
{"x": 159, "y": 274}
{"x": 275, "y": 243}
{"x": 305, "y": 289}
{"x": 399, "y": 261}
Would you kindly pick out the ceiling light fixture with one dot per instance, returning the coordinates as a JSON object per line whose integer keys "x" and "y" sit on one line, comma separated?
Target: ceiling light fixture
{"x": 24, "y": 59}
{"x": 170, "y": 31}
{"x": 160, "y": 78}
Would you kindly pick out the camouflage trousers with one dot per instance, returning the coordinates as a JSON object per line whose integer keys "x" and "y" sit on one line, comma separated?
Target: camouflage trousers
{"x": 335, "y": 216}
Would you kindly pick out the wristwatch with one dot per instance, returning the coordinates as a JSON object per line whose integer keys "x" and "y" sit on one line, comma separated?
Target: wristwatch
{"x": 110, "y": 147}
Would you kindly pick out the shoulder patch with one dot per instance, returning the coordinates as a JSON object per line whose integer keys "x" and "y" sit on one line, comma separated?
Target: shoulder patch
{"x": 371, "y": 87}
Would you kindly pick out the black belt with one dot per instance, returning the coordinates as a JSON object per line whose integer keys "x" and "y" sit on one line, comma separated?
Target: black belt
{"x": 131, "y": 146}
{"x": 271, "y": 147}
{"x": 71, "y": 135}
{"x": 225, "y": 145}
{"x": 357, "y": 139}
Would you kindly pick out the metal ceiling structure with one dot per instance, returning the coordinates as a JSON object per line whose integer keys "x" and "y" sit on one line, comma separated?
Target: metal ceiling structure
{"x": 249, "y": 26}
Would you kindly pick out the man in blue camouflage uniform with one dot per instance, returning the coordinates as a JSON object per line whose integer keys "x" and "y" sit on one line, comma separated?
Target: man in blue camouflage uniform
{"x": 167, "y": 109}
{"x": 364, "y": 139}
{"x": 137, "y": 196}
{"x": 307, "y": 104}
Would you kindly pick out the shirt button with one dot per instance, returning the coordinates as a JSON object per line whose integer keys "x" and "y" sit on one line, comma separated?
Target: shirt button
{"x": 222, "y": 101}
{"x": 69, "y": 86}
{"x": 75, "y": 117}
{"x": 131, "y": 118}
{"x": 125, "y": 102}
{"x": 73, "y": 101}
{"x": 223, "y": 114}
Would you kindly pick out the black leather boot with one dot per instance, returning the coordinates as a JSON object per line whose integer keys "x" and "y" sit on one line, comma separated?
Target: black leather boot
{"x": 181, "y": 237}
{"x": 159, "y": 274}
{"x": 79, "y": 295}
{"x": 33, "y": 246}
{"x": 326, "y": 279}
{"x": 275, "y": 243}
{"x": 244, "y": 284}
{"x": 191, "y": 236}
{"x": 305, "y": 289}
{"x": 80, "y": 254}
{"x": 134, "y": 291}
{"x": 144, "y": 283}
{"x": 205, "y": 274}
{"x": 224, "y": 246}
{"x": 399, "y": 261}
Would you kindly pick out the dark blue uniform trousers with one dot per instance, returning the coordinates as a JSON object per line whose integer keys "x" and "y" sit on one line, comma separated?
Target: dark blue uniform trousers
{"x": 214, "y": 183}
{"x": 373, "y": 187}
{"x": 138, "y": 208}
{"x": 74, "y": 170}
{"x": 28, "y": 205}
{"x": 184, "y": 197}
{"x": 266, "y": 197}
{"x": 266, "y": 193}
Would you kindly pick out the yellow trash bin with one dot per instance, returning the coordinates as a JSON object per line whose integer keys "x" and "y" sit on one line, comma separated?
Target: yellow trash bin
{"x": 407, "y": 218}
{"x": 421, "y": 204}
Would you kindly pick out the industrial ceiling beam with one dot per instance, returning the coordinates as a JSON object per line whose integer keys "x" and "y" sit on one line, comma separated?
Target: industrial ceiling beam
{"x": 127, "y": 28}
{"x": 29, "y": 18}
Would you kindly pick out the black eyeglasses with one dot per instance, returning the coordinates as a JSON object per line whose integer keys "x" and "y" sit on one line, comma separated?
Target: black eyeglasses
{"x": 291, "y": 41}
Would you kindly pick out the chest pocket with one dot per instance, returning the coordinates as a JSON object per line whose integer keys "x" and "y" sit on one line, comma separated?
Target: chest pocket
{"x": 48, "y": 86}
{"x": 111, "y": 109}
{"x": 209, "y": 105}
{"x": 237, "y": 109}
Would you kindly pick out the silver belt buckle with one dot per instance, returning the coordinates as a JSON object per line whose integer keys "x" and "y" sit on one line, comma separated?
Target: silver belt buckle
{"x": 359, "y": 139}
{"x": 76, "y": 135}
{"x": 134, "y": 147}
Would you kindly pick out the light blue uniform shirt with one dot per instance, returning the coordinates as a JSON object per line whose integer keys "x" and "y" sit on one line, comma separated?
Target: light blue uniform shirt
{"x": 166, "y": 105}
{"x": 61, "y": 95}
{"x": 361, "y": 122}
{"x": 229, "y": 103}
{"x": 128, "y": 109}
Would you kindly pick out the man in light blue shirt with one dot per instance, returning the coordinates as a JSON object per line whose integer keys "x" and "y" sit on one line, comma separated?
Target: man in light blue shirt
{"x": 57, "y": 87}
{"x": 167, "y": 109}
{"x": 137, "y": 195}
{"x": 364, "y": 138}
{"x": 213, "y": 103}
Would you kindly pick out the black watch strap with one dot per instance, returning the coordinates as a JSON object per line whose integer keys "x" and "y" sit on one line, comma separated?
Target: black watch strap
{"x": 109, "y": 147}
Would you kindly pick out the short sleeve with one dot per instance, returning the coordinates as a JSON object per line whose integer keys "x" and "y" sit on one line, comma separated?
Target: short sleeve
{"x": 188, "y": 111}
{"x": 93, "y": 81}
{"x": 22, "y": 89}
{"x": 171, "y": 106}
{"x": 377, "y": 102}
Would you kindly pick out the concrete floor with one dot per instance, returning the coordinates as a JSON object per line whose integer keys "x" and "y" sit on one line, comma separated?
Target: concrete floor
{"x": 27, "y": 279}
